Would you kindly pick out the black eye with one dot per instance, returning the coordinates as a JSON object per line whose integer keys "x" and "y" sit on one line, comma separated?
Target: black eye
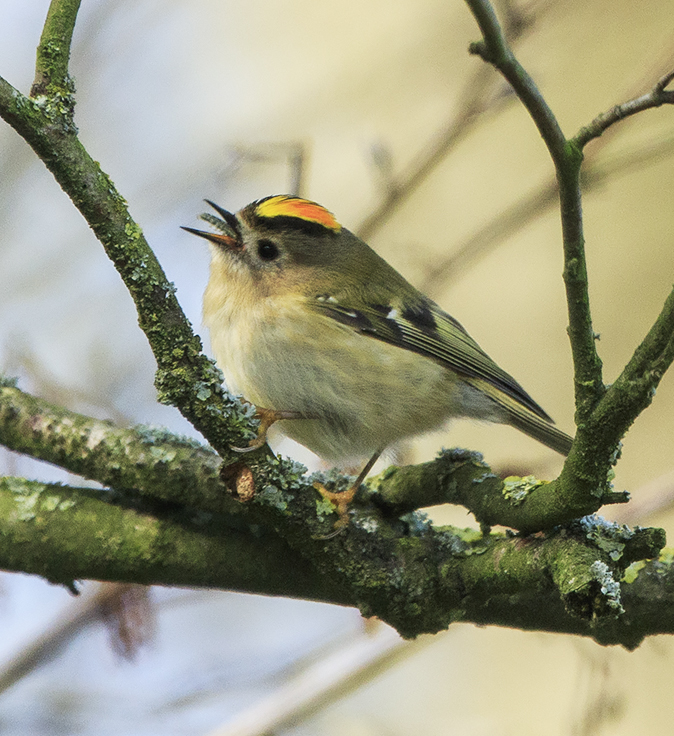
{"x": 267, "y": 250}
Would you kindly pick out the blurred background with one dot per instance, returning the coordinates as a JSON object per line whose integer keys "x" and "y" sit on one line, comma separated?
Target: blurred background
{"x": 376, "y": 111}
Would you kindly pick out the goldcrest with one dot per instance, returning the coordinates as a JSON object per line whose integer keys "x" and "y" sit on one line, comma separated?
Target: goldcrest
{"x": 307, "y": 320}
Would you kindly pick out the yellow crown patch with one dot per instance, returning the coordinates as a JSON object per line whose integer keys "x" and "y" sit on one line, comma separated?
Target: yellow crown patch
{"x": 286, "y": 206}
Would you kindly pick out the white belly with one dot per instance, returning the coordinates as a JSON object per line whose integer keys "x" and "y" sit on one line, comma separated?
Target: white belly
{"x": 365, "y": 393}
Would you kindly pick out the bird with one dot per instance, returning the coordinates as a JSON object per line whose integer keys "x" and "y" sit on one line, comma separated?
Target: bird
{"x": 322, "y": 335}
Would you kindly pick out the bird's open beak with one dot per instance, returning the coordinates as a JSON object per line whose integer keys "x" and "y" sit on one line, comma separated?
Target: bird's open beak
{"x": 228, "y": 227}
{"x": 227, "y": 240}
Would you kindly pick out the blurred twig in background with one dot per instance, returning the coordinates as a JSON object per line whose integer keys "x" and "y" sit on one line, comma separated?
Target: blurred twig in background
{"x": 125, "y": 608}
{"x": 334, "y": 676}
{"x": 484, "y": 93}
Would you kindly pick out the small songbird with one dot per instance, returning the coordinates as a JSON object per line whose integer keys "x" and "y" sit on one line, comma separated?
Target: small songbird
{"x": 318, "y": 331}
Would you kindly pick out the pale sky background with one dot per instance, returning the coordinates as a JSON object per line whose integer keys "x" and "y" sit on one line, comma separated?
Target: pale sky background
{"x": 184, "y": 100}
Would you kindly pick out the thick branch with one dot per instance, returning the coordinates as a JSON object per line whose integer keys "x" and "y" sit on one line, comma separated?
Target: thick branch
{"x": 648, "y": 601}
{"x": 415, "y": 577}
{"x": 461, "y": 477}
{"x": 66, "y": 534}
{"x": 153, "y": 462}
{"x": 163, "y": 466}
{"x": 420, "y": 583}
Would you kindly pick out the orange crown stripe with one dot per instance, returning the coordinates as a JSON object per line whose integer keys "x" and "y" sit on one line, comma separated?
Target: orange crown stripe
{"x": 283, "y": 206}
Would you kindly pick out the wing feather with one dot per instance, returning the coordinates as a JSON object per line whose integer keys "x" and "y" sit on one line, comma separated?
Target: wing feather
{"x": 426, "y": 329}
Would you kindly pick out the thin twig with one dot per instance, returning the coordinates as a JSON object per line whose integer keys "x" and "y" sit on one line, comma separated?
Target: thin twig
{"x": 494, "y": 49}
{"x": 490, "y": 235}
{"x": 650, "y": 501}
{"x": 657, "y": 97}
{"x": 83, "y": 612}
{"x": 473, "y": 104}
{"x": 323, "y": 683}
{"x": 473, "y": 107}
{"x": 518, "y": 215}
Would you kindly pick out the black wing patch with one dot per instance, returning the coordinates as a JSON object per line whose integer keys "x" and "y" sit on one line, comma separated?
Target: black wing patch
{"x": 426, "y": 329}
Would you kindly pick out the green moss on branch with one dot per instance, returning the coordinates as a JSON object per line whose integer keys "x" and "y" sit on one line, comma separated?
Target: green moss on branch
{"x": 151, "y": 461}
{"x": 53, "y": 53}
{"x": 65, "y": 534}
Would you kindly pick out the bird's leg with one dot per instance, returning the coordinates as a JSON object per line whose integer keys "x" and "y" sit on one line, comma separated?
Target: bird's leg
{"x": 267, "y": 417}
{"x": 344, "y": 498}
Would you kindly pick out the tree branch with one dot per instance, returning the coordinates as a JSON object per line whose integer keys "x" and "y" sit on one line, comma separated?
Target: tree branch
{"x": 463, "y": 478}
{"x": 587, "y": 471}
{"x": 567, "y": 160}
{"x": 160, "y": 465}
{"x": 657, "y": 97}
{"x": 65, "y": 534}
{"x": 414, "y": 576}
{"x": 151, "y": 461}
{"x": 53, "y": 52}
{"x": 420, "y": 583}
{"x": 185, "y": 377}
{"x": 634, "y": 389}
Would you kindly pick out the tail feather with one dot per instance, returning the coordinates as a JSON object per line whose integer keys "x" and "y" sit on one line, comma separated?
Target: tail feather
{"x": 522, "y": 418}
{"x": 540, "y": 430}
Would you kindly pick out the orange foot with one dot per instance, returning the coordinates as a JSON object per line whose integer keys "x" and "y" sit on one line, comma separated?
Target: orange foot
{"x": 344, "y": 498}
{"x": 341, "y": 501}
{"x": 267, "y": 417}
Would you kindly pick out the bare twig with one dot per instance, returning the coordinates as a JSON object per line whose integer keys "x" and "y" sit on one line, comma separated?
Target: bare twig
{"x": 472, "y": 107}
{"x": 519, "y": 214}
{"x": 589, "y": 386}
{"x": 650, "y": 500}
{"x": 657, "y": 97}
{"x": 293, "y": 154}
{"x": 323, "y": 683}
{"x": 474, "y": 102}
{"x": 490, "y": 235}
{"x": 516, "y": 217}
{"x": 86, "y": 610}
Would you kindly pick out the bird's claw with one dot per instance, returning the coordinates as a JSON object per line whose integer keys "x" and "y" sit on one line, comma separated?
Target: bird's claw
{"x": 267, "y": 417}
{"x": 341, "y": 500}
